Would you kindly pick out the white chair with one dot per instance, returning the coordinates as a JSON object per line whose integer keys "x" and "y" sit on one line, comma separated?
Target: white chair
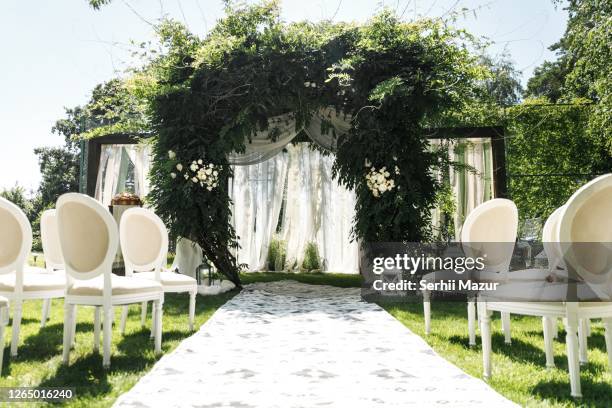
{"x": 144, "y": 244}
{"x": 584, "y": 234}
{"x": 54, "y": 263}
{"x": 4, "y": 304}
{"x": 89, "y": 239}
{"x": 15, "y": 284}
{"x": 491, "y": 223}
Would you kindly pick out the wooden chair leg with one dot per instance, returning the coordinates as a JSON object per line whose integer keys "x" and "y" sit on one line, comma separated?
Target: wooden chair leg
{"x": 107, "y": 335}
{"x": 158, "y": 305}
{"x": 506, "y": 327}
{"x": 547, "y": 325}
{"x": 68, "y": 309}
{"x": 192, "y": 304}
{"x": 582, "y": 342}
{"x": 46, "y": 306}
{"x": 1, "y": 341}
{"x": 124, "y": 316}
{"x": 427, "y": 311}
{"x": 96, "y": 343}
{"x": 608, "y": 335}
{"x": 573, "y": 363}
{"x": 143, "y": 314}
{"x": 471, "y": 309}
{"x": 74, "y": 323}
{"x": 17, "y": 311}
{"x": 485, "y": 335}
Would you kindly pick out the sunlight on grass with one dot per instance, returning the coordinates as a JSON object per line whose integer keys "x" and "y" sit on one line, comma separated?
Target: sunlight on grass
{"x": 519, "y": 371}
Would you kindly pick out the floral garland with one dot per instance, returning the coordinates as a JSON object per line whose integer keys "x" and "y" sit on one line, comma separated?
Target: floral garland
{"x": 204, "y": 174}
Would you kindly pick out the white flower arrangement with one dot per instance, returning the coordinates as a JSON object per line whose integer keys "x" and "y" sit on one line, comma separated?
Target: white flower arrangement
{"x": 198, "y": 172}
{"x": 379, "y": 181}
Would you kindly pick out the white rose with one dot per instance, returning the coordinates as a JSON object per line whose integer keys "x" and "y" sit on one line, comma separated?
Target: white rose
{"x": 214, "y": 184}
{"x": 171, "y": 154}
{"x": 194, "y": 179}
{"x": 382, "y": 188}
{"x": 209, "y": 188}
{"x": 208, "y": 171}
{"x": 194, "y": 167}
{"x": 179, "y": 167}
{"x": 200, "y": 161}
{"x": 186, "y": 176}
{"x": 215, "y": 173}
{"x": 173, "y": 175}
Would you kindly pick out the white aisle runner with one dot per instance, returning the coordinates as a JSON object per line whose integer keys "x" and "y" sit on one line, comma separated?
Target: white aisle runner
{"x": 286, "y": 344}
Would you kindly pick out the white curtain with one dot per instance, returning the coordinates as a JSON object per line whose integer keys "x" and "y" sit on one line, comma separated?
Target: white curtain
{"x": 324, "y": 128}
{"x": 257, "y": 194}
{"x": 318, "y": 210}
{"x": 115, "y": 162}
{"x": 471, "y": 188}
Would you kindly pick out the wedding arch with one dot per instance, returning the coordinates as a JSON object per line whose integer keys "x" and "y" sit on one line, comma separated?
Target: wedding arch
{"x": 368, "y": 93}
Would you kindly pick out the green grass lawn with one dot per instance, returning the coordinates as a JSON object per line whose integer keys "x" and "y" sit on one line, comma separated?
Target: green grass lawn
{"x": 519, "y": 371}
{"x": 39, "y": 363}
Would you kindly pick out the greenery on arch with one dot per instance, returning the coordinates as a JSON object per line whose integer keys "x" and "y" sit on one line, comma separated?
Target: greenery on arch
{"x": 391, "y": 78}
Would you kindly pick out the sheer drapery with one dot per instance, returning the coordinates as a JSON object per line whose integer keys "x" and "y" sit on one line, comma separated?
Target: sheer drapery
{"x": 471, "y": 188}
{"x": 257, "y": 194}
{"x": 316, "y": 210}
{"x": 324, "y": 128}
{"x": 123, "y": 168}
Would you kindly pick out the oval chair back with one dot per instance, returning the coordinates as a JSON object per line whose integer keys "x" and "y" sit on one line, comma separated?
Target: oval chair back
{"x": 549, "y": 240}
{"x": 15, "y": 240}
{"x": 585, "y": 231}
{"x": 489, "y": 231}
{"x": 51, "y": 241}
{"x": 144, "y": 241}
{"x": 88, "y": 237}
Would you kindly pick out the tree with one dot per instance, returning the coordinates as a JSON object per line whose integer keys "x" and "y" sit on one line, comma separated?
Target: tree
{"x": 17, "y": 195}
{"x": 547, "y": 81}
{"x": 59, "y": 168}
{"x": 503, "y": 86}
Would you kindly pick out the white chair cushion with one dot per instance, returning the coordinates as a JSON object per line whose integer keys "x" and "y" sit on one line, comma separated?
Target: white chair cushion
{"x": 121, "y": 285}
{"x": 33, "y": 282}
{"x": 169, "y": 278}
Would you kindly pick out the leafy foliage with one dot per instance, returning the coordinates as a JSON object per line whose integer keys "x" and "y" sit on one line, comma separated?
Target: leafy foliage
{"x": 550, "y": 154}
{"x": 277, "y": 254}
{"x": 312, "y": 260}
{"x": 207, "y": 96}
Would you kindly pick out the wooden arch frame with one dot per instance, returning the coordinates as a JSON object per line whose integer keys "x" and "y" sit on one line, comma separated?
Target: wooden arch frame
{"x": 91, "y": 149}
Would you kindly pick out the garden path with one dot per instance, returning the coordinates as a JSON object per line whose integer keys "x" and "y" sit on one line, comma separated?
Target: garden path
{"x": 287, "y": 344}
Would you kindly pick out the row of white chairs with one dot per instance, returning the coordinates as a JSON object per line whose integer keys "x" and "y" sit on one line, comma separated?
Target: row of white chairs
{"x": 585, "y": 218}
{"x": 80, "y": 241}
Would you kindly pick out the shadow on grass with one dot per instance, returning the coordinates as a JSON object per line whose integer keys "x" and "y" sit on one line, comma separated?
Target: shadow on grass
{"x": 595, "y": 394}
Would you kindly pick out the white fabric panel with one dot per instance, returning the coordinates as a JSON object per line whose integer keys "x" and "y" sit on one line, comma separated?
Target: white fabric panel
{"x": 188, "y": 257}
{"x": 257, "y": 194}
{"x": 471, "y": 188}
{"x": 283, "y": 129}
{"x": 318, "y": 210}
{"x": 113, "y": 170}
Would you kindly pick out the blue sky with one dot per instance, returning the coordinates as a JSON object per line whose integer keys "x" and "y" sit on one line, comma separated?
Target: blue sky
{"x": 55, "y": 52}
